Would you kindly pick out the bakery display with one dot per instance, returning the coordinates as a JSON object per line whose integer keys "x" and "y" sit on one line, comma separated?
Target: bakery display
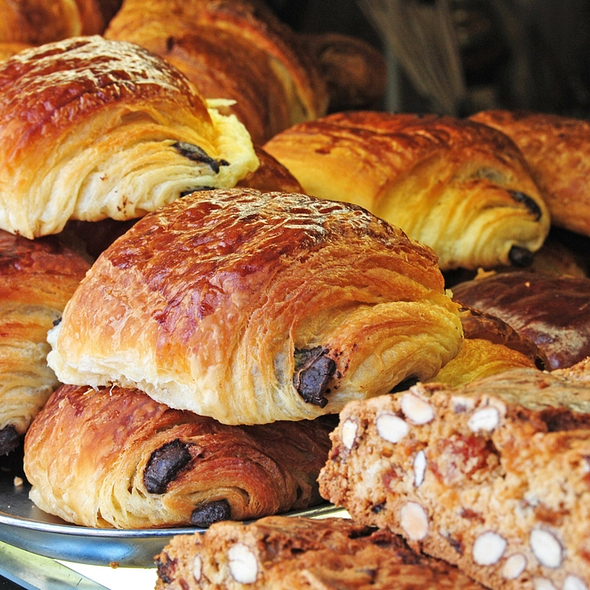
{"x": 458, "y": 186}
{"x": 552, "y": 311}
{"x": 491, "y": 476}
{"x": 116, "y": 458}
{"x": 251, "y": 307}
{"x": 300, "y": 553}
{"x": 36, "y": 280}
{"x": 91, "y": 129}
{"x": 240, "y": 50}
{"x": 557, "y": 150}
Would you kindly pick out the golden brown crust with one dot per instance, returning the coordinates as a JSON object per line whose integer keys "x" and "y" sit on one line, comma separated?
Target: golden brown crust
{"x": 458, "y": 186}
{"x": 270, "y": 176}
{"x": 557, "y": 151}
{"x": 37, "y": 278}
{"x": 115, "y": 458}
{"x": 270, "y": 290}
{"x": 43, "y": 21}
{"x": 235, "y": 50}
{"x": 91, "y": 128}
{"x": 551, "y": 311}
{"x": 300, "y": 553}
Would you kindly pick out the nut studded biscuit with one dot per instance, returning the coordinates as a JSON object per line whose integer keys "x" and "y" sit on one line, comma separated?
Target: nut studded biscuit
{"x": 491, "y": 476}
{"x": 300, "y": 553}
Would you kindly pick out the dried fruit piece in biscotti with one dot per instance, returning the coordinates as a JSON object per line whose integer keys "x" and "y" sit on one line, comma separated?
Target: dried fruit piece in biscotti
{"x": 492, "y": 476}
{"x": 300, "y": 553}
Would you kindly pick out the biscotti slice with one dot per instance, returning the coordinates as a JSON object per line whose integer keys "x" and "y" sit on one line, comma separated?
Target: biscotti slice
{"x": 281, "y": 552}
{"x": 493, "y": 476}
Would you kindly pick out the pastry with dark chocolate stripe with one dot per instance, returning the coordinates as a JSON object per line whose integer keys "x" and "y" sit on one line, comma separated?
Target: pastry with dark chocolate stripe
{"x": 113, "y": 457}
{"x": 37, "y": 278}
{"x": 460, "y": 187}
{"x": 252, "y": 307}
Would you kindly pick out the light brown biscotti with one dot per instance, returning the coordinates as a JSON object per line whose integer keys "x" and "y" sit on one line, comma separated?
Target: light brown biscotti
{"x": 296, "y": 553}
{"x": 493, "y": 476}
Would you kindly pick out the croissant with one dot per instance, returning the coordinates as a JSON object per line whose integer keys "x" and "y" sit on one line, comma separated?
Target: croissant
{"x": 91, "y": 129}
{"x": 231, "y": 49}
{"x": 458, "y": 186}
{"x": 116, "y": 458}
{"x": 36, "y": 280}
{"x": 557, "y": 151}
{"x": 42, "y": 21}
{"x": 252, "y": 307}
{"x": 241, "y": 51}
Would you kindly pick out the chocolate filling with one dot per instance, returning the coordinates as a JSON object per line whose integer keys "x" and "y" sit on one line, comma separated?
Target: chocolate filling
{"x": 197, "y": 154}
{"x": 164, "y": 465}
{"x": 313, "y": 371}
{"x": 9, "y": 439}
{"x": 528, "y": 202}
{"x": 520, "y": 257}
{"x": 204, "y": 516}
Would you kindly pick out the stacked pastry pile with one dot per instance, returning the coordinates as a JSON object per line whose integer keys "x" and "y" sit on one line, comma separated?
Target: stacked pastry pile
{"x": 243, "y": 269}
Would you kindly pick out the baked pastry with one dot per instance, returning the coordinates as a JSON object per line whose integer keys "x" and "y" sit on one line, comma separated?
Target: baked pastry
{"x": 91, "y": 129}
{"x": 300, "y": 553}
{"x": 251, "y": 307}
{"x": 490, "y": 346}
{"x": 36, "y": 280}
{"x": 551, "y": 311}
{"x": 460, "y": 187}
{"x": 557, "y": 151}
{"x": 491, "y": 476}
{"x": 116, "y": 458}
{"x": 42, "y": 21}
{"x": 235, "y": 50}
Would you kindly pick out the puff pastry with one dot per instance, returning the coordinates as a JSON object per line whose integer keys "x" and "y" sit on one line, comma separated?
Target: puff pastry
{"x": 36, "y": 280}
{"x": 91, "y": 129}
{"x": 116, "y": 458}
{"x": 252, "y": 307}
{"x": 551, "y": 311}
{"x": 231, "y": 49}
{"x": 460, "y": 187}
{"x": 557, "y": 151}
{"x": 299, "y": 553}
{"x": 42, "y": 21}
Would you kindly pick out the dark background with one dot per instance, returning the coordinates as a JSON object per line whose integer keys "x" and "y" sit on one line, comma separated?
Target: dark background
{"x": 532, "y": 54}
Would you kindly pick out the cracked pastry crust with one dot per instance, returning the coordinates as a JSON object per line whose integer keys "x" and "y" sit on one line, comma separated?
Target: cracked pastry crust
{"x": 491, "y": 476}
{"x": 558, "y": 153}
{"x": 551, "y": 311}
{"x": 460, "y": 187}
{"x": 300, "y": 553}
{"x": 37, "y": 278}
{"x": 251, "y": 307}
{"x": 91, "y": 129}
{"x": 116, "y": 458}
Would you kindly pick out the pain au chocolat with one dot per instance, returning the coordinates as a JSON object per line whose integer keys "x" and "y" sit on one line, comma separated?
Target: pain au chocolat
{"x": 92, "y": 129}
{"x": 37, "y": 278}
{"x": 557, "y": 149}
{"x": 458, "y": 186}
{"x": 115, "y": 458}
{"x": 252, "y": 307}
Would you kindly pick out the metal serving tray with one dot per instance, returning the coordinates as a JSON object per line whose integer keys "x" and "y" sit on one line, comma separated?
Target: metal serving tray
{"x": 24, "y": 526}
